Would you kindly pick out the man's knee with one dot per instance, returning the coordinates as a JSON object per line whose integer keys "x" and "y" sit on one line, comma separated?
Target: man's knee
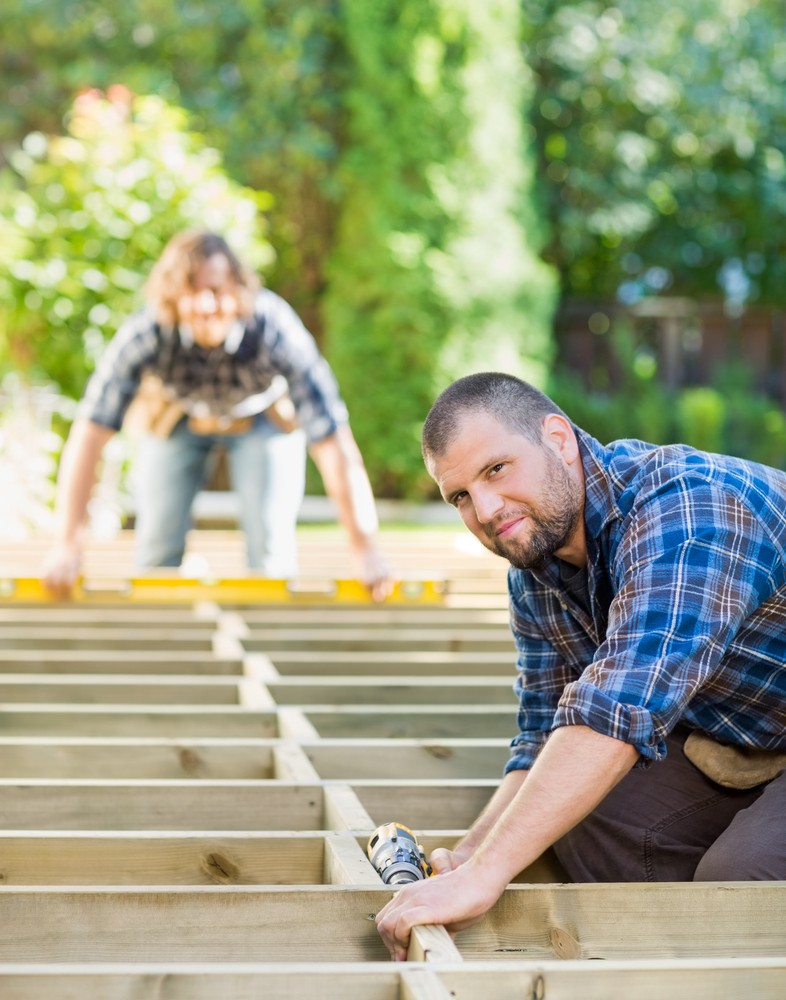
{"x": 753, "y": 847}
{"x": 725, "y": 862}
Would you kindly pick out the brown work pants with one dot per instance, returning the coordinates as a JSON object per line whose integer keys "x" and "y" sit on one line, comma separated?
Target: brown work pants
{"x": 670, "y": 823}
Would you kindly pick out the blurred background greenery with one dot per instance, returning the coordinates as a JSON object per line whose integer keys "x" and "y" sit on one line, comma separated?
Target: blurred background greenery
{"x": 590, "y": 195}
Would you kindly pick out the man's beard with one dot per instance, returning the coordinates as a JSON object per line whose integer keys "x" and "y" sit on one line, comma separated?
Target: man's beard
{"x": 551, "y": 524}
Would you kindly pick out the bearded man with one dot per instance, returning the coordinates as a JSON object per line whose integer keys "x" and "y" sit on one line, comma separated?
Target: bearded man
{"x": 647, "y": 594}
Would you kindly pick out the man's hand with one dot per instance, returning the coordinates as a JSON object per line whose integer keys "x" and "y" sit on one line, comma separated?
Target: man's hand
{"x": 61, "y": 568}
{"x": 457, "y": 899}
{"x": 442, "y": 860}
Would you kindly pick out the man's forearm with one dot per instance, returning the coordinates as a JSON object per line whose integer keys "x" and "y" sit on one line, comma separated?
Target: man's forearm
{"x": 491, "y": 814}
{"x": 574, "y": 772}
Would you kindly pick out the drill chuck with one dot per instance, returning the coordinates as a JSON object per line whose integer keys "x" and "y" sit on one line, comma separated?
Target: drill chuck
{"x": 394, "y": 852}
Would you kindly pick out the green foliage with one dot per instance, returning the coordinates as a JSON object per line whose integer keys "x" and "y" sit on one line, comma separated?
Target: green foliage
{"x": 660, "y": 129}
{"x": 391, "y": 137}
{"x": 261, "y": 82}
{"x": 86, "y": 215}
{"x": 732, "y": 417}
{"x": 430, "y": 275}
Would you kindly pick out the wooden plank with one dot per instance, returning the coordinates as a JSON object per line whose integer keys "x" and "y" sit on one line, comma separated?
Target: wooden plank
{"x": 624, "y": 921}
{"x": 285, "y": 981}
{"x": 422, "y": 984}
{"x": 124, "y": 689}
{"x": 346, "y": 862}
{"x": 231, "y": 923}
{"x": 157, "y": 858}
{"x": 105, "y": 617}
{"x": 344, "y": 810}
{"x": 370, "y": 616}
{"x": 118, "y": 661}
{"x": 132, "y": 638}
{"x": 424, "y": 805}
{"x": 199, "y": 924}
{"x": 370, "y": 758}
{"x": 721, "y": 979}
{"x": 163, "y": 805}
{"x": 290, "y": 663}
{"x": 338, "y": 690}
{"x": 393, "y": 640}
{"x": 173, "y": 722}
{"x": 430, "y": 943}
{"x": 45, "y": 757}
{"x": 413, "y": 721}
{"x": 677, "y": 979}
{"x": 292, "y": 764}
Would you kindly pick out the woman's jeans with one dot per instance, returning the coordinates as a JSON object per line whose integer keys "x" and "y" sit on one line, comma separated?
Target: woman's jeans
{"x": 267, "y": 471}
{"x": 670, "y": 823}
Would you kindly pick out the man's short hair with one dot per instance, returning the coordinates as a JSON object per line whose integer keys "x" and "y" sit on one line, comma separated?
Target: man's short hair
{"x": 513, "y": 402}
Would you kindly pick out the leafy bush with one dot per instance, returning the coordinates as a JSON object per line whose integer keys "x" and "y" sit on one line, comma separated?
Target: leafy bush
{"x": 731, "y": 417}
{"x": 432, "y": 273}
{"x": 88, "y": 212}
{"x": 660, "y": 130}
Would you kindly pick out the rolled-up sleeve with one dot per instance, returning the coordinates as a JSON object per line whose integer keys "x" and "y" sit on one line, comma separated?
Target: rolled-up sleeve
{"x": 294, "y": 353}
{"x": 693, "y": 564}
{"x": 115, "y": 382}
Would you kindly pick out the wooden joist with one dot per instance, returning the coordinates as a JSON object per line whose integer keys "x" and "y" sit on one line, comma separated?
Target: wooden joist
{"x": 186, "y": 793}
{"x": 677, "y": 979}
{"x": 224, "y": 923}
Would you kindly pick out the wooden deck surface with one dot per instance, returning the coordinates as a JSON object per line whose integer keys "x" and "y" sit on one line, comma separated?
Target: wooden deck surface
{"x": 186, "y": 791}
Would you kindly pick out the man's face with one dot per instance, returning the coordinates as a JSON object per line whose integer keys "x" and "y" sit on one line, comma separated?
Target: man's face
{"x": 212, "y": 307}
{"x": 523, "y": 501}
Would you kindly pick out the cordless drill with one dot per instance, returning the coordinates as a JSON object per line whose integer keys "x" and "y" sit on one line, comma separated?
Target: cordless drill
{"x": 394, "y": 852}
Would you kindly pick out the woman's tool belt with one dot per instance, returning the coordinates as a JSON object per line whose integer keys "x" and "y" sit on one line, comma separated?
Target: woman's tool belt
{"x": 158, "y": 412}
{"x": 212, "y": 424}
{"x": 154, "y": 410}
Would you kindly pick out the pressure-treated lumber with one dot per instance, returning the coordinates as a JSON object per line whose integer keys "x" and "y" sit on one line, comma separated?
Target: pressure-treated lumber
{"x": 330, "y": 924}
{"x": 170, "y": 721}
{"x": 680, "y": 979}
{"x": 128, "y": 804}
{"x": 615, "y": 921}
{"x": 227, "y": 757}
{"x": 412, "y": 721}
{"x": 127, "y": 639}
{"x": 369, "y": 758}
{"x": 139, "y": 757}
{"x": 158, "y": 858}
{"x": 128, "y": 689}
{"x": 196, "y": 812}
{"x": 118, "y": 661}
{"x": 397, "y": 640}
{"x": 384, "y": 662}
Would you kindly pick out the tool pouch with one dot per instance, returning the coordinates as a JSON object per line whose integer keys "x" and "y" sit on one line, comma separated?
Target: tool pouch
{"x": 281, "y": 414}
{"x": 211, "y": 424}
{"x": 154, "y": 409}
{"x": 733, "y": 767}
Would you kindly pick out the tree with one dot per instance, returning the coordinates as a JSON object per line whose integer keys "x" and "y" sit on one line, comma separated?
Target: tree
{"x": 662, "y": 138}
{"x": 88, "y": 212}
{"x": 432, "y": 273}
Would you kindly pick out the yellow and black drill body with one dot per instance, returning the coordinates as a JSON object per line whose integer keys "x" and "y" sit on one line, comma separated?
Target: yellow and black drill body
{"x": 394, "y": 852}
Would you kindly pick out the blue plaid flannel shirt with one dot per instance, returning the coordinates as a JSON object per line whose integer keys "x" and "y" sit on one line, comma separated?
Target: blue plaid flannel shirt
{"x": 687, "y": 587}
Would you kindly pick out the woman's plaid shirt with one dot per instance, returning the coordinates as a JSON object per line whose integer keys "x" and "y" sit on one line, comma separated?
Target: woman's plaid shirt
{"x": 230, "y": 380}
{"x": 687, "y": 585}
